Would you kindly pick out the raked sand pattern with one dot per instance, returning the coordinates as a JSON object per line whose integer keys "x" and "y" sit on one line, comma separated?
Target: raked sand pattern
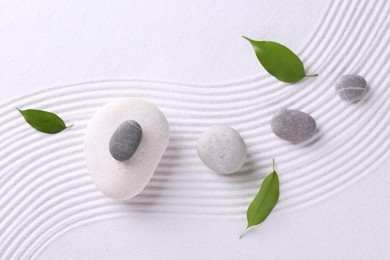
{"x": 45, "y": 189}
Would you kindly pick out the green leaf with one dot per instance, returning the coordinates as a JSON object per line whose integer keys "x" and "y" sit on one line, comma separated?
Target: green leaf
{"x": 279, "y": 61}
{"x": 265, "y": 200}
{"x": 44, "y": 121}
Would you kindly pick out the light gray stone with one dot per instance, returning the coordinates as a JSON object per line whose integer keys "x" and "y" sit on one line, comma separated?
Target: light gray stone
{"x": 125, "y": 140}
{"x": 351, "y": 88}
{"x": 222, "y": 149}
{"x": 293, "y": 125}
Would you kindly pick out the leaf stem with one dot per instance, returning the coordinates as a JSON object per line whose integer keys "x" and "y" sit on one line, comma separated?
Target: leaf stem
{"x": 243, "y": 233}
{"x": 311, "y": 75}
{"x": 69, "y": 126}
{"x": 273, "y": 164}
{"x": 246, "y": 38}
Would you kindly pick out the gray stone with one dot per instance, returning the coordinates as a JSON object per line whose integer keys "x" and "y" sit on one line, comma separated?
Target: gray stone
{"x": 125, "y": 140}
{"x": 293, "y": 125}
{"x": 351, "y": 88}
{"x": 222, "y": 149}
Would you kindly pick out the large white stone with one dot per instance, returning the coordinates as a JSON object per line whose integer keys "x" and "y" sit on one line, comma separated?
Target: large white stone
{"x": 124, "y": 180}
{"x": 222, "y": 149}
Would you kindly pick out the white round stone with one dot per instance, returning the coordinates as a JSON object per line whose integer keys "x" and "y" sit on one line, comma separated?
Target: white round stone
{"x": 222, "y": 149}
{"x": 125, "y": 179}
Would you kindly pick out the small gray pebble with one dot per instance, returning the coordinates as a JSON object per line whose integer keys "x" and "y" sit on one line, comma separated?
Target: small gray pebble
{"x": 293, "y": 125}
{"x": 222, "y": 149}
{"x": 125, "y": 140}
{"x": 351, "y": 88}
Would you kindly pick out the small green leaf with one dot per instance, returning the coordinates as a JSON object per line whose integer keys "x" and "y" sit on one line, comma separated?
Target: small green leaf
{"x": 265, "y": 200}
{"x": 44, "y": 121}
{"x": 279, "y": 61}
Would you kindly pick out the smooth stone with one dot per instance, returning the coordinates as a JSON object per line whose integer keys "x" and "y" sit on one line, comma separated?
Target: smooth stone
{"x": 351, "y": 88}
{"x": 124, "y": 180}
{"x": 125, "y": 140}
{"x": 222, "y": 149}
{"x": 293, "y": 125}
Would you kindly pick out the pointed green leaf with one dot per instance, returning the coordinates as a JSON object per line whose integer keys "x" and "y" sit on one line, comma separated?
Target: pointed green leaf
{"x": 279, "y": 61}
{"x": 44, "y": 121}
{"x": 264, "y": 201}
